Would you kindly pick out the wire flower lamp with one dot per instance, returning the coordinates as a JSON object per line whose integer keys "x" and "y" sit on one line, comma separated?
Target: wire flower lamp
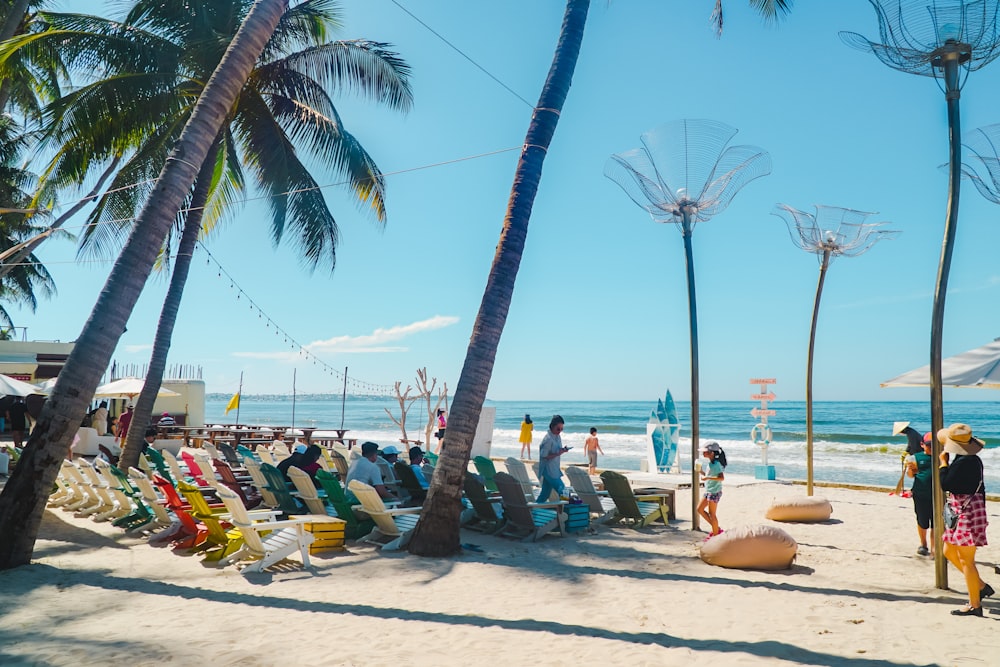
{"x": 685, "y": 173}
{"x": 832, "y": 232}
{"x": 944, "y": 39}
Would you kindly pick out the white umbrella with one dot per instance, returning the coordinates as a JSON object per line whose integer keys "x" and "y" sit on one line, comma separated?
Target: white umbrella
{"x": 127, "y": 388}
{"x": 976, "y": 368}
{"x": 13, "y": 387}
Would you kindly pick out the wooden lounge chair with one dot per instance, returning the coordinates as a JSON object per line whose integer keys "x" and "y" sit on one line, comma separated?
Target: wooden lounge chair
{"x": 83, "y": 495}
{"x": 176, "y": 473}
{"x": 133, "y": 513}
{"x": 104, "y": 506}
{"x": 259, "y": 482}
{"x": 219, "y": 540}
{"x": 230, "y": 455}
{"x": 638, "y": 510}
{"x": 307, "y": 492}
{"x": 487, "y": 518}
{"x": 485, "y": 467}
{"x": 337, "y": 462}
{"x": 393, "y": 527}
{"x": 240, "y": 485}
{"x": 602, "y": 507}
{"x": 409, "y": 483}
{"x": 526, "y": 520}
{"x": 356, "y": 526}
{"x": 155, "y": 458}
{"x": 161, "y": 518}
{"x": 278, "y": 487}
{"x": 519, "y": 471}
{"x": 265, "y": 542}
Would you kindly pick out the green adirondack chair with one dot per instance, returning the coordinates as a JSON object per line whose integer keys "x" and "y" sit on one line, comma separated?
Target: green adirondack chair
{"x": 486, "y": 468}
{"x": 486, "y": 518}
{"x": 277, "y": 485}
{"x": 155, "y": 459}
{"x": 638, "y": 510}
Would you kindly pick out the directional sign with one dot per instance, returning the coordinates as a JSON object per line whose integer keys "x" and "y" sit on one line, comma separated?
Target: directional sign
{"x": 763, "y": 381}
{"x": 763, "y": 397}
{"x": 757, "y": 412}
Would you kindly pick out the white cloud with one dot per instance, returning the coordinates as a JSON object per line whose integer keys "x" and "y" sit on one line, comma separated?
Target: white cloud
{"x": 133, "y": 349}
{"x": 376, "y": 342}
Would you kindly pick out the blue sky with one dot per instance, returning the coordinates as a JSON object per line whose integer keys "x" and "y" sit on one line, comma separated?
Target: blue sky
{"x": 600, "y": 307}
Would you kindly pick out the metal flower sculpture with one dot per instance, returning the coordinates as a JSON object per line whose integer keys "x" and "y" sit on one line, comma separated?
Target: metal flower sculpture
{"x": 945, "y": 39}
{"x": 832, "y": 232}
{"x": 685, "y": 173}
{"x": 983, "y": 167}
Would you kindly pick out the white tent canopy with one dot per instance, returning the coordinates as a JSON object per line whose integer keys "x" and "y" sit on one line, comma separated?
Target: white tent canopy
{"x": 13, "y": 387}
{"x": 127, "y": 388}
{"x": 976, "y": 368}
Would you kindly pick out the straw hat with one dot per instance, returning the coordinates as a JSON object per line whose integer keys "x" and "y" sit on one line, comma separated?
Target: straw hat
{"x": 897, "y": 427}
{"x": 958, "y": 440}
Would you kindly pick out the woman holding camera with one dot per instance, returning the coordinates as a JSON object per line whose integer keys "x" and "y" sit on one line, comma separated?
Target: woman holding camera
{"x": 962, "y": 478}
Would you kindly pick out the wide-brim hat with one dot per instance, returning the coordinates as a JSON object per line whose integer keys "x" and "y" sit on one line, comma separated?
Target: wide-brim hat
{"x": 958, "y": 440}
{"x": 897, "y": 427}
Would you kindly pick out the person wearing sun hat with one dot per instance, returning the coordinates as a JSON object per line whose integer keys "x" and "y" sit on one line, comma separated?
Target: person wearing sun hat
{"x": 962, "y": 478}
{"x": 919, "y": 467}
{"x": 913, "y": 447}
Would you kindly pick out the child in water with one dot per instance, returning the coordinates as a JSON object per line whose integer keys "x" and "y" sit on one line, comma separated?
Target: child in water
{"x": 713, "y": 476}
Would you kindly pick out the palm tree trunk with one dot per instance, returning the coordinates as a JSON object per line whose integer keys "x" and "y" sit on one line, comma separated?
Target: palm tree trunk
{"x": 437, "y": 533}
{"x": 22, "y": 501}
{"x": 168, "y": 315}
{"x": 10, "y": 263}
{"x": 686, "y": 232}
{"x": 809, "y": 373}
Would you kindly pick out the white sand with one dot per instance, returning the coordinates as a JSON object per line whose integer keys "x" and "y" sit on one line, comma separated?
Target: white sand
{"x": 857, "y": 595}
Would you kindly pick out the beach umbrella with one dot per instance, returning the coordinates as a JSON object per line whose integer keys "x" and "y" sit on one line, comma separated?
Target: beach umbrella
{"x": 13, "y": 387}
{"x": 976, "y": 368}
{"x": 127, "y": 388}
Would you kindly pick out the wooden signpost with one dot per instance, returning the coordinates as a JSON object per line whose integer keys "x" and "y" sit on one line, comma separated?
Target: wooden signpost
{"x": 761, "y": 433}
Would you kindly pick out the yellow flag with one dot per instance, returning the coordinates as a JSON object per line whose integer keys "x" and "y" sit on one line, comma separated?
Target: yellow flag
{"x": 234, "y": 403}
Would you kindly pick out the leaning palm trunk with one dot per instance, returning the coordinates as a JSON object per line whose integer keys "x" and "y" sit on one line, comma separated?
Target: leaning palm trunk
{"x": 23, "y": 499}
{"x": 437, "y": 533}
{"x": 168, "y": 314}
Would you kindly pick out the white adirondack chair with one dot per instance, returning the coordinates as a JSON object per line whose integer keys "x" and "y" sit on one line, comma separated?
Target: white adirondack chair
{"x": 393, "y": 527}
{"x": 265, "y": 542}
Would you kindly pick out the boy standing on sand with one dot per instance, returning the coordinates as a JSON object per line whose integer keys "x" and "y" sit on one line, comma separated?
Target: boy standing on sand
{"x": 591, "y": 447}
{"x": 918, "y": 466}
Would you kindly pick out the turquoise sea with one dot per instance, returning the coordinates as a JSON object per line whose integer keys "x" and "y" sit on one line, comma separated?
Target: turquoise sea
{"x": 852, "y": 441}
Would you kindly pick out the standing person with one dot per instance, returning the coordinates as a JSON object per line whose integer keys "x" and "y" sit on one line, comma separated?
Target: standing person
{"x": 918, "y": 466}
{"x": 16, "y": 413}
{"x": 713, "y": 476}
{"x": 442, "y": 424}
{"x": 591, "y": 447}
{"x": 123, "y": 423}
{"x": 527, "y": 426}
{"x": 913, "y": 447}
{"x": 549, "y": 453}
{"x": 963, "y": 480}
{"x": 100, "y": 418}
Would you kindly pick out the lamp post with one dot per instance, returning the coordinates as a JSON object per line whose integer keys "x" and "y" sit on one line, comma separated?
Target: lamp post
{"x": 945, "y": 40}
{"x": 832, "y": 232}
{"x": 685, "y": 173}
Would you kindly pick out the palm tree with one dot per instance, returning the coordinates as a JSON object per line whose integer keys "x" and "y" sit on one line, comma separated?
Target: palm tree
{"x": 285, "y": 103}
{"x": 22, "y": 501}
{"x": 437, "y": 532}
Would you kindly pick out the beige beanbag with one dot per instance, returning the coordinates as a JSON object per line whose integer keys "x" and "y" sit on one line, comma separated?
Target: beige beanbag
{"x": 803, "y": 509}
{"x": 751, "y": 548}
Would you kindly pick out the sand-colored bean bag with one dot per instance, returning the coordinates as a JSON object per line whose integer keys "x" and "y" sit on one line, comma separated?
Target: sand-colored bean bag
{"x": 751, "y": 548}
{"x": 804, "y": 509}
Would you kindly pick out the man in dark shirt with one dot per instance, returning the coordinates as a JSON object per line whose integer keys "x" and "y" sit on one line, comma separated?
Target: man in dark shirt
{"x": 16, "y": 413}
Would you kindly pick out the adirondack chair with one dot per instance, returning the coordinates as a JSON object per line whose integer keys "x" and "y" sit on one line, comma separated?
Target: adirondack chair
{"x": 259, "y": 482}
{"x": 134, "y": 514}
{"x": 156, "y": 460}
{"x": 409, "y": 482}
{"x": 486, "y": 468}
{"x": 487, "y": 518}
{"x": 278, "y": 487}
{"x": 196, "y": 465}
{"x": 307, "y": 493}
{"x": 526, "y": 520}
{"x": 211, "y": 450}
{"x": 230, "y": 455}
{"x": 65, "y": 492}
{"x": 161, "y": 518}
{"x": 519, "y": 471}
{"x": 219, "y": 541}
{"x": 266, "y": 542}
{"x": 244, "y": 453}
{"x": 188, "y": 533}
{"x": 602, "y": 507}
{"x": 638, "y": 510}
{"x": 432, "y": 458}
{"x": 355, "y": 527}
{"x": 393, "y": 527}
{"x": 240, "y": 485}
{"x": 83, "y": 495}
{"x": 104, "y": 505}
{"x": 175, "y": 467}
{"x": 337, "y": 462}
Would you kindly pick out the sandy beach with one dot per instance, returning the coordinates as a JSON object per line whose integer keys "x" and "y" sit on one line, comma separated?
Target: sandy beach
{"x": 857, "y": 595}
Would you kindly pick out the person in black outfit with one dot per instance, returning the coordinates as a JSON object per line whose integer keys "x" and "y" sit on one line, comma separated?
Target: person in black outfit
{"x": 963, "y": 479}
{"x": 18, "y": 421}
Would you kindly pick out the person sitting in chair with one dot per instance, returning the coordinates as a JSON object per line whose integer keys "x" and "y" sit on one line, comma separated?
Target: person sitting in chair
{"x": 364, "y": 469}
{"x": 307, "y": 461}
{"x": 416, "y": 464}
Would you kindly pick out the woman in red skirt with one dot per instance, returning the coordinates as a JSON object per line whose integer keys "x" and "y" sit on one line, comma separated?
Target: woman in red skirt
{"x": 962, "y": 478}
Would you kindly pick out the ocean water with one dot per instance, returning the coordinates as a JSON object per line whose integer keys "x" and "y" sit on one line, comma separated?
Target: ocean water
{"x": 851, "y": 440}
